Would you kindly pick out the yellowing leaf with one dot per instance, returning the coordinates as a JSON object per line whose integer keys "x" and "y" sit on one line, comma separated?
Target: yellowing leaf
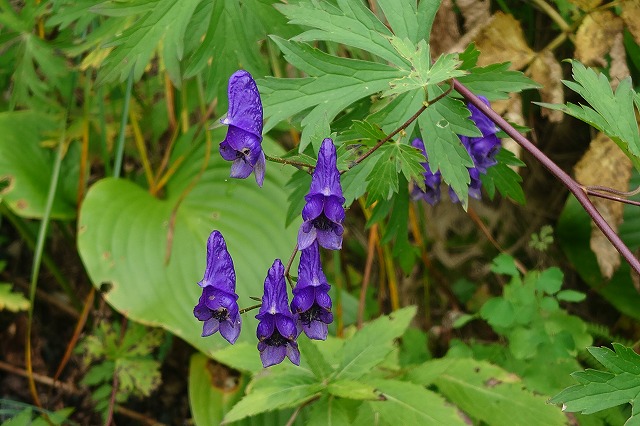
{"x": 605, "y": 164}
{"x": 595, "y": 37}
{"x": 502, "y": 40}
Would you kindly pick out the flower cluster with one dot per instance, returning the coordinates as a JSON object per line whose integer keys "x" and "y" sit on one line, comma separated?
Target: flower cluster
{"x": 482, "y": 149}
{"x": 310, "y": 311}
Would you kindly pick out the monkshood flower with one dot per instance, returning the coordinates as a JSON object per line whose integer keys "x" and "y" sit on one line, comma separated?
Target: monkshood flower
{"x": 244, "y": 136}
{"x": 432, "y": 180}
{"x": 323, "y": 213}
{"x": 311, "y": 302}
{"x": 218, "y": 306}
{"x": 483, "y": 149}
{"x": 277, "y": 329}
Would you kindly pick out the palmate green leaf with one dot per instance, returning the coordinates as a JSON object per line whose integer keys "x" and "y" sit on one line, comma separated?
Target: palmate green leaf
{"x": 123, "y": 240}
{"x": 598, "y": 390}
{"x": 408, "y": 20}
{"x": 394, "y": 158}
{"x": 422, "y": 73}
{"x": 314, "y": 359}
{"x": 230, "y": 43}
{"x": 504, "y": 178}
{"x": 486, "y": 392}
{"x": 350, "y": 22}
{"x": 351, "y": 389}
{"x": 164, "y": 23}
{"x": 446, "y": 152}
{"x": 285, "y": 389}
{"x": 370, "y": 345}
{"x": 612, "y": 114}
{"x": 406, "y": 403}
{"x": 333, "y": 84}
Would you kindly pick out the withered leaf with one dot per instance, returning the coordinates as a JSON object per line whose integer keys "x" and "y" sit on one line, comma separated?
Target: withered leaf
{"x": 546, "y": 70}
{"x": 502, "y": 40}
{"x": 604, "y": 164}
{"x": 631, "y": 17}
{"x": 595, "y": 37}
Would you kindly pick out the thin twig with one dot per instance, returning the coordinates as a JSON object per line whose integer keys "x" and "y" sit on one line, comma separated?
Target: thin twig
{"x": 406, "y": 124}
{"x": 250, "y": 308}
{"x": 575, "y": 188}
{"x": 298, "y": 164}
{"x": 288, "y": 267}
{"x": 366, "y": 278}
{"x": 598, "y": 188}
{"x": 611, "y": 197}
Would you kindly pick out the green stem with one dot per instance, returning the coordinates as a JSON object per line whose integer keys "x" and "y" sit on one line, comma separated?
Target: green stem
{"x": 42, "y": 236}
{"x": 117, "y": 167}
{"x": 290, "y": 162}
{"x": 104, "y": 148}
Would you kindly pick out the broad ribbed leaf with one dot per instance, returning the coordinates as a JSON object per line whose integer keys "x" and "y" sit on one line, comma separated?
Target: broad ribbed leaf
{"x": 124, "y": 236}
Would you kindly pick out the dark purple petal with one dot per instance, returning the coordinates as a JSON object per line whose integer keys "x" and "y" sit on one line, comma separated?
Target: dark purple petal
{"x": 333, "y": 209}
{"x": 331, "y": 239}
{"x": 266, "y": 326}
{"x": 274, "y": 299}
{"x": 484, "y": 123}
{"x": 240, "y": 169}
{"x": 245, "y": 106}
{"x": 306, "y": 235}
{"x": 227, "y": 152}
{"x": 286, "y": 326}
{"x": 314, "y": 206}
{"x": 230, "y": 329}
{"x": 326, "y": 178}
{"x": 303, "y": 298}
{"x": 316, "y": 330}
{"x": 259, "y": 168}
{"x": 219, "y": 271}
{"x": 293, "y": 353}
{"x": 210, "y": 326}
{"x": 272, "y": 355}
{"x": 323, "y": 300}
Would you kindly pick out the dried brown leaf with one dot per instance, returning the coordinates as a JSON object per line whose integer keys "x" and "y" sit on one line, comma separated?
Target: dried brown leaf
{"x": 511, "y": 110}
{"x": 474, "y": 12}
{"x": 586, "y": 4}
{"x": 618, "y": 70}
{"x": 595, "y": 37}
{"x": 546, "y": 70}
{"x": 604, "y": 164}
{"x": 502, "y": 40}
{"x": 445, "y": 32}
{"x": 631, "y": 17}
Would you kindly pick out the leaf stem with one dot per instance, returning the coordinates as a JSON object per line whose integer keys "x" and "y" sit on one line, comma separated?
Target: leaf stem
{"x": 298, "y": 164}
{"x": 610, "y": 197}
{"x": 575, "y": 188}
{"x": 288, "y": 267}
{"x": 244, "y": 310}
{"x": 406, "y": 124}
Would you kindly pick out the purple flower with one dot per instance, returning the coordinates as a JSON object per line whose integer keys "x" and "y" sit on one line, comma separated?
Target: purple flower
{"x": 244, "y": 136}
{"x": 277, "y": 329}
{"x": 311, "y": 302}
{"x": 431, "y": 180}
{"x": 218, "y": 306}
{"x": 482, "y": 149}
{"x": 323, "y": 213}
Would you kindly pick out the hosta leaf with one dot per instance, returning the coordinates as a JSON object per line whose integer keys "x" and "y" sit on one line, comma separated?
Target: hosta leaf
{"x": 124, "y": 231}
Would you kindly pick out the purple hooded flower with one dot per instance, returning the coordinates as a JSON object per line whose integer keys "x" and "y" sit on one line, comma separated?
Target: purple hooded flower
{"x": 323, "y": 213}
{"x": 311, "y": 302}
{"x": 432, "y": 180}
{"x": 277, "y": 329}
{"x": 244, "y": 136}
{"x": 482, "y": 149}
{"x": 218, "y": 306}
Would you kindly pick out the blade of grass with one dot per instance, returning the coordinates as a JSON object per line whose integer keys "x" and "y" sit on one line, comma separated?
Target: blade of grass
{"x": 117, "y": 166}
{"x": 42, "y": 235}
